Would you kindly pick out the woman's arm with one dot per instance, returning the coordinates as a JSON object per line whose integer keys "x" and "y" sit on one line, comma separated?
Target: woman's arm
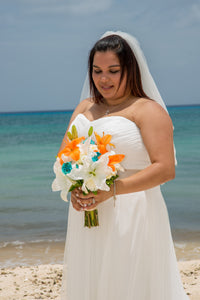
{"x": 157, "y": 132}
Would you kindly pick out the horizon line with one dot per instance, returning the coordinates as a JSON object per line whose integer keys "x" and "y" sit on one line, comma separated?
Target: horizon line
{"x": 72, "y": 109}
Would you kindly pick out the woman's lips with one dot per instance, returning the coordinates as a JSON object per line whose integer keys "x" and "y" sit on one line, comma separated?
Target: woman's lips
{"x": 106, "y": 88}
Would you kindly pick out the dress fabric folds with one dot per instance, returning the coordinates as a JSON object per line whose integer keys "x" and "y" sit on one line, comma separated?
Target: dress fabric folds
{"x": 130, "y": 255}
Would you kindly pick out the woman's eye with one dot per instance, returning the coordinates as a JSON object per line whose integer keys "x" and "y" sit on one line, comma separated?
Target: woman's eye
{"x": 110, "y": 71}
{"x": 97, "y": 71}
{"x": 114, "y": 71}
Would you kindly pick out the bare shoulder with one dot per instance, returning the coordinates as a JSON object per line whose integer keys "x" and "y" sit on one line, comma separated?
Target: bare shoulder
{"x": 149, "y": 111}
{"x": 83, "y": 106}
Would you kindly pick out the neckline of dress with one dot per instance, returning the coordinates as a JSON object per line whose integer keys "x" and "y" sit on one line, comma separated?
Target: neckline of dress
{"x": 107, "y": 117}
{"x": 104, "y": 117}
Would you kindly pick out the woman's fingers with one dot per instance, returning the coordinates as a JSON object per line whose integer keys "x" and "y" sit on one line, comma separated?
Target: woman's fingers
{"x": 84, "y": 200}
{"x": 79, "y": 194}
{"x": 75, "y": 203}
{"x": 90, "y": 207}
{"x": 88, "y": 201}
{"x": 81, "y": 204}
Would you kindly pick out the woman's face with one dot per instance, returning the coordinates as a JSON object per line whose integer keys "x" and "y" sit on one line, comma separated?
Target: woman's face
{"x": 106, "y": 75}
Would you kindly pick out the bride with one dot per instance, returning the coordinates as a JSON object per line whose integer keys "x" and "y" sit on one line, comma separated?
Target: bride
{"x": 130, "y": 255}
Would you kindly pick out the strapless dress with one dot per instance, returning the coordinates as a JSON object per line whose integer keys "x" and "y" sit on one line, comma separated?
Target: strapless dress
{"x": 130, "y": 255}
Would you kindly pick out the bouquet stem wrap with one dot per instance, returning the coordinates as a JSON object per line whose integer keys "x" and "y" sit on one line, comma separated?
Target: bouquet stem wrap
{"x": 91, "y": 218}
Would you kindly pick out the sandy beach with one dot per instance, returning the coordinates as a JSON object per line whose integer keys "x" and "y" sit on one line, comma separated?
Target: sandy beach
{"x": 34, "y": 270}
{"x": 44, "y": 281}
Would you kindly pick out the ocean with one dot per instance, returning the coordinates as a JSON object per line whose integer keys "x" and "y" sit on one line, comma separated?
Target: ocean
{"x": 33, "y": 219}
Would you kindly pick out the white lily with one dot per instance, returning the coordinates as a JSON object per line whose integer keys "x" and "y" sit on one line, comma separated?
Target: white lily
{"x": 66, "y": 158}
{"x": 61, "y": 182}
{"x": 93, "y": 174}
{"x": 87, "y": 149}
{"x": 118, "y": 167}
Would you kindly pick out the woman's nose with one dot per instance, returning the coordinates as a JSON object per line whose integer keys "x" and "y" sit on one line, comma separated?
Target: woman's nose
{"x": 104, "y": 78}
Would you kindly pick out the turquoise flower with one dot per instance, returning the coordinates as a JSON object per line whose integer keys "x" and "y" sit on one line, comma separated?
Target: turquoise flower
{"x": 67, "y": 167}
{"x": 96, "y": 157}
{"x": 91, "y": 142}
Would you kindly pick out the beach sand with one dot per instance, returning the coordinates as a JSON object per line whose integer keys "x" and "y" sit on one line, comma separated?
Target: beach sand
{"x": 44, "y": 281}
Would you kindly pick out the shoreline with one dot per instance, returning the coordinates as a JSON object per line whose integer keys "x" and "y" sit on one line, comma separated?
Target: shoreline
{"x": 28, "y": 253}
{"x": 44, "y": 281}
{"x": 70, "y": 110}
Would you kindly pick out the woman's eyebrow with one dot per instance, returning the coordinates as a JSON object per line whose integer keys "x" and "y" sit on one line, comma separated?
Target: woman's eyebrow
{"x": 108, "y": 66}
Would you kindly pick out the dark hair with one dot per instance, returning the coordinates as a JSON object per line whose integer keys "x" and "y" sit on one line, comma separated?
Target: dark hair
{"x": 127, "y": 61}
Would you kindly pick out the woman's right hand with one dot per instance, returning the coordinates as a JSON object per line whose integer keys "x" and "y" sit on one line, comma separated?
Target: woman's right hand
{"x": 81, "y": 202}
{"x": 75, "y": 200}
{"x": 89, "y": 201}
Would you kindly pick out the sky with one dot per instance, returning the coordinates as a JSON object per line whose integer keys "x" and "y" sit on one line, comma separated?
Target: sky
{"x": 44, "y": 46}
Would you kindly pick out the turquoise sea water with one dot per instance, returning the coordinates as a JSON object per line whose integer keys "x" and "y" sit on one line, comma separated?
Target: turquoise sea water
{"x": 30, "y": 212}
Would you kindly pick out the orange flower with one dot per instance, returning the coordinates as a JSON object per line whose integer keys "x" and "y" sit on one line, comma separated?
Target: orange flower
{"x": 103, "y": 141}
{"x": 115, "y": 159}
{"x": 71, "y": 149}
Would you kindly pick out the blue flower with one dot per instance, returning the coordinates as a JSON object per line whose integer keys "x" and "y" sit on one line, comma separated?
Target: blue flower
{"x": 67, "y": 167}
{"x": 98, "y": 154}
{"x": 96, "y": 157}
{"x": 91, "y": 142}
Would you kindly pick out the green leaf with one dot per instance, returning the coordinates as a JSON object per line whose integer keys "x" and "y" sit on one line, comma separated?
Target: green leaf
{"x": 69, "y": 136}
{"x": 74, "y": 132}
{"x": 110, "y": 181}
{"x": 76, "y": 185}
{"x": 90, "y": 131}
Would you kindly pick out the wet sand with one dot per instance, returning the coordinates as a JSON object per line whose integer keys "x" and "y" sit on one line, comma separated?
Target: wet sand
{"x": 50, "y": 252}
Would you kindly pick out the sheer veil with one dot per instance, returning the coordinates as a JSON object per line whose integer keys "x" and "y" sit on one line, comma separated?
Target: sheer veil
{"x": 148, "y": 83}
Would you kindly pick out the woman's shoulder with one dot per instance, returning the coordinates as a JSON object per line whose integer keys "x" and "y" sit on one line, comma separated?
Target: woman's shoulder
{"x": 82, "y": 107}
{"x": 147, "y": 103}
{"x": 144, "y": 105}
{"x": 147, "y": 110}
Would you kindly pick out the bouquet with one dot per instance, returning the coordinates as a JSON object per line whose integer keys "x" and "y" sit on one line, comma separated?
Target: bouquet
{"x": 89, "y": 163}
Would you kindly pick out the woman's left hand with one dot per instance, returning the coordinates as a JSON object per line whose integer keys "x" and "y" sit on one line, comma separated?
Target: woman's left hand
{"x": 91, "y": 201}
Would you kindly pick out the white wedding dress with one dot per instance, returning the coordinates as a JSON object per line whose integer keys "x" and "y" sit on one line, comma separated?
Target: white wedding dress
{"x": 130, "y": 256}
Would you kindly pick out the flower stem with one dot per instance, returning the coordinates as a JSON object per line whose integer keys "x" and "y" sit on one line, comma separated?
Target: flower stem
{"x": 91, "y": 218}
